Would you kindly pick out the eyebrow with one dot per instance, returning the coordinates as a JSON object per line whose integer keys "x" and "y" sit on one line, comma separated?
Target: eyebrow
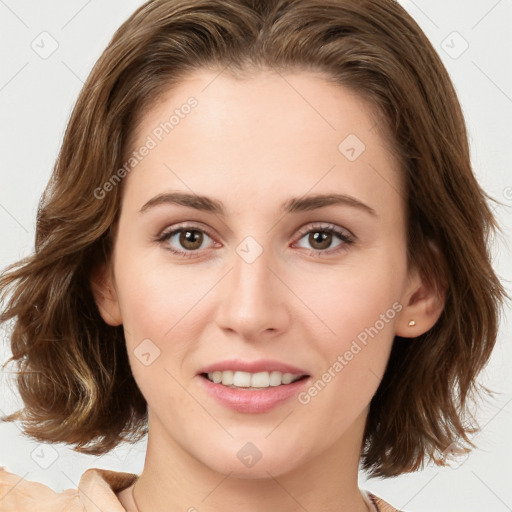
{"x": 292, "y": 205}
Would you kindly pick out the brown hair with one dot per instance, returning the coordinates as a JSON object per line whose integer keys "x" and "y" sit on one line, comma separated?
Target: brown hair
{"x": 74, "y": 376}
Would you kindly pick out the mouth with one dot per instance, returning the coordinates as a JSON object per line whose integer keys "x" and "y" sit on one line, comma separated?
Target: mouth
{"x": 252, "y": 381}
{"x": 252, "y": 393}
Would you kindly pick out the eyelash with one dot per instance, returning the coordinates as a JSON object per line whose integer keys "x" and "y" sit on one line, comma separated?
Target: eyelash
{"x": 326, "y": 228}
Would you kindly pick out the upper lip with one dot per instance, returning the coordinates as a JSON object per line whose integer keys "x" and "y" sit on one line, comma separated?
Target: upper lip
{"x": 260, "y": 365}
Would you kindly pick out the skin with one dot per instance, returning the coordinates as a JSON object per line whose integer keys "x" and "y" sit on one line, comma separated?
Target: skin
{"x": 252, "y": 144}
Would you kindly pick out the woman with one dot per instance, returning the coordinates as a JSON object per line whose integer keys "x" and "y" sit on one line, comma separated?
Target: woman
{"x": 263, "y": 246}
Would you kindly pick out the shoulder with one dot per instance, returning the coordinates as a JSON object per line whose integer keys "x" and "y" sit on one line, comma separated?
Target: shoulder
{"x": 97, "y": 489}
{"x": 381, "y": 505}
{"x": 20, "y": 495}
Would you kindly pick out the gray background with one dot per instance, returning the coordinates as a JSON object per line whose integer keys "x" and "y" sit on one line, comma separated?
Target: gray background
{"x": 37, "y": 92}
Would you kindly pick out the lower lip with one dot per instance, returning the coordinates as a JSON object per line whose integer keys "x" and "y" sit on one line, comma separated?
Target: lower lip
{"x": 250, "y": 400}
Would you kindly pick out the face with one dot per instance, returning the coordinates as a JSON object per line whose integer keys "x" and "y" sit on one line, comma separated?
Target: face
{"x": 297, "y": 257}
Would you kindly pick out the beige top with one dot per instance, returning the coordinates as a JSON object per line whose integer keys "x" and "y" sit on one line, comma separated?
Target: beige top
{"x": 97, "y": 490}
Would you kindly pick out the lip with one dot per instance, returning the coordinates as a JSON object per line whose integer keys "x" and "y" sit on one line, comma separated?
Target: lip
{"x": 250, "y": 400}
{"x": 260, "y": 365}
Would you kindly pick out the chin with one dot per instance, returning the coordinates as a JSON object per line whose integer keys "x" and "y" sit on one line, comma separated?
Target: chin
{"x": 257, "y": 459}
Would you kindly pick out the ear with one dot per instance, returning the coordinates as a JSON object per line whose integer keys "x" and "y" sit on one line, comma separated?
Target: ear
{"x": 105, "y": 296}
{"x": 422, "y": 304}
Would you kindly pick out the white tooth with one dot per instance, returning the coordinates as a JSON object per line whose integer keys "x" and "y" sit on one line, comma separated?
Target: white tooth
{"x": 260, "y": 380}
{"x": 241, "y": 379}
{"x": 217, "y": 377}
{"x": 275, "y": 378}
{"x": 210, "y": 376}
{"x": 287, "y": 378}
{"x": 227, "y": 378}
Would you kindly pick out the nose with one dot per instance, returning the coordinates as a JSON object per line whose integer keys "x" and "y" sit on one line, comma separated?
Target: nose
{"x": 253, "y": 301}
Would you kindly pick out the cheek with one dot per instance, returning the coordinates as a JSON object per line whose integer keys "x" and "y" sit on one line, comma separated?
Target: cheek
{"x": 158, "y": 316}
{"x": 352, "y": 298}
{"x": 157, "y": 300}
{"x": 159, "y": 307}
{"x": 358, "y": 308}
{"x": 354, "y": 363}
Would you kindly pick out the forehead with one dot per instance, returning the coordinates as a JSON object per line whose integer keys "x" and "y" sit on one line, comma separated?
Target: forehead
{"x": 263, "y": 134}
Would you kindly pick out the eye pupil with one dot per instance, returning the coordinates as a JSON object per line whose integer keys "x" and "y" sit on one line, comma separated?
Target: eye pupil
{"x": 322, "y": 238}
{"x": 189, "y": 238}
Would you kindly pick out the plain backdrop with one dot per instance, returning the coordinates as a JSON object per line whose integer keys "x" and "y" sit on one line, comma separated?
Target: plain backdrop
{"x": 48, "y": 48}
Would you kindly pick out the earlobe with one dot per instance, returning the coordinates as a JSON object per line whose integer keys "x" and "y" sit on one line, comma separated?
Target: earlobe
{"x": 423, "y": 305}
{"x": 105, "y": 296}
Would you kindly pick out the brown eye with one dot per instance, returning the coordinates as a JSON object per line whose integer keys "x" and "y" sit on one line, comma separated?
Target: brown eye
{"x": 320, "y": 240}
{"x": 185, "y": 241}
{"x": 191, "y": 239}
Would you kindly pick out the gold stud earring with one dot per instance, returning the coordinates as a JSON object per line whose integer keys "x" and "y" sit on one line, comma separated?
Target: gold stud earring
{"x": 412, "y": 323}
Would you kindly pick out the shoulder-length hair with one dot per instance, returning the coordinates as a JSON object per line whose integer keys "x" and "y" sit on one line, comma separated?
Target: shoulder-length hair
{"x": 73, "y": 371}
